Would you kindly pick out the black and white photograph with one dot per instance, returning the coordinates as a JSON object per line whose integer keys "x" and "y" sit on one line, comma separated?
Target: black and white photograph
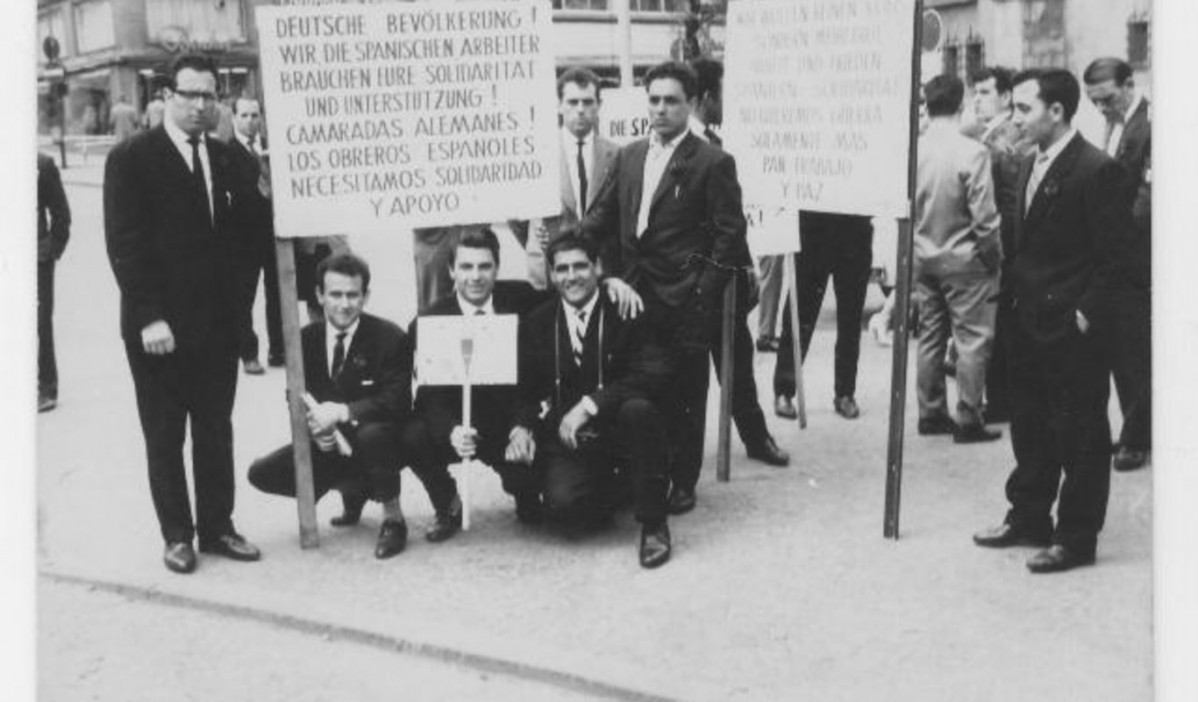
{"x": 648, "y": 350}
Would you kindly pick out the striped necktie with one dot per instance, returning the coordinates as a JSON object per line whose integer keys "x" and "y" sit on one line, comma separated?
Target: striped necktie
{"x": 579, "y": 334}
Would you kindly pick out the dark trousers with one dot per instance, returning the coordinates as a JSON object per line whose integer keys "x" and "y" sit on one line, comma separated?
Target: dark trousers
{"x": 840, "y": 247}
{"x": 262, "y": 258}
{"x": 372, "y": 471}
{"x": 1059, "y": 425}
{"x": 1131, "y": 364}
{"x": 47, "y": 366}
{"x": 746, "y": 410}
{"x": 581, "y": 485}
{"x": 429, "y": 453}
{"x": 196, "y": 384}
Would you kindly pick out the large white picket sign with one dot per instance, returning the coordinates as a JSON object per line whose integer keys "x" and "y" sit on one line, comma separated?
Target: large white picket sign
{"x": 817, "y": 98}
{"x": 389, "y": 116}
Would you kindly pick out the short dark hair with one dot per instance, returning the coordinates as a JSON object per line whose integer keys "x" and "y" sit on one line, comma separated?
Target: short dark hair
{"x": 201, "y": 63}
{"x": 943, "y": 94}
{"x": 475, "y": 238}
{"x": 569, "y": 239}
{"x": 1056, "y": 85}
{"x": 710, "y": 73}
{"x": 1000, "y": 74}
{"x": 346, "y": 264}
{"x": 581, "y": 77}
{"x": 678, "y": 71}
{"x": 1108, "y": 68}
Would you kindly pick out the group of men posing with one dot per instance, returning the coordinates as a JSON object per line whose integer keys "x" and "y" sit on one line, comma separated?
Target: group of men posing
{"x": 614, "y": 360}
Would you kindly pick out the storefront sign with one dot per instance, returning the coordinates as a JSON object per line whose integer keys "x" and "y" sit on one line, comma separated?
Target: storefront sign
{"x": 177, "y": 40}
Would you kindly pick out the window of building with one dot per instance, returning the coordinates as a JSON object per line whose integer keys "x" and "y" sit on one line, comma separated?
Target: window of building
{"x": 600, "y": 5}
{"x": 975, "y": 56}
{"x": 1138, "y": 43}
{"x": 50, "y": 24}
{"x": 660, "y": 5}
{"x": 952, "y": 60}
{"x": 196, "y": 21}
{"x": 93, "y": 26}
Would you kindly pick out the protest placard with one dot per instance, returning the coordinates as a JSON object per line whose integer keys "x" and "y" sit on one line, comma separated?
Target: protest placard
{"x": 624, "y": 114}
{"x": 772, "y": 230}
{"x": 389, "y": 116}
{"x": 817, "y": 99}
{"x": 439, "y": 357}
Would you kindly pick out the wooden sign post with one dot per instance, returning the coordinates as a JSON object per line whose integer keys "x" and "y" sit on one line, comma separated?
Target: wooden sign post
{"x": 792, "y": 282}
{"x": 723, "y": 457}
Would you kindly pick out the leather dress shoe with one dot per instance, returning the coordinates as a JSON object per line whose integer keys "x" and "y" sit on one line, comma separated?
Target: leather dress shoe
{"x": 393, "y": 537}
{"x": 351, "y": 509}
{"x": 179, "y": 557}
{"x": 231, "y": 545}
{"x": 529, "y": 509}
{"x": 1127, "y": 459}
{"x": 936, "y": 426}
{"x": 681, "y": 500}
{"x": 655, "y": 545}
{"x": 446, "y": 523}
{"x": 847, "y": 407}
{"x": 783, "y": 407}
{"x": 975, "y": 434}
{"x": 251, "y": 366}
{"x": 1005, "y": 535}
{"x": 45, "y": 403}
{"x": 768, "y": 344}
{"x": 276, "y": 360}
{"x": 767, "y": 451}
{"x": 1057, "y": 558}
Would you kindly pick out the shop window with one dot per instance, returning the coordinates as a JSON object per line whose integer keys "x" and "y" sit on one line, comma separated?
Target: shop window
{"x": 600, "y": 5}
{"x": 1138, "y": 43}
{"x": 975, "y": 56}
{"x": 210, "y": 21}
{"x": 93, "y": 26}
{"x": 660, "y": 5}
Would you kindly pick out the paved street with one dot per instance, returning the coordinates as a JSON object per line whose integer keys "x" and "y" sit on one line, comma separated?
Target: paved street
{"x": 781, "y": 586}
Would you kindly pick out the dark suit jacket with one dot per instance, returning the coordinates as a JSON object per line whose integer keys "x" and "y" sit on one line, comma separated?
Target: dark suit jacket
{"x": 696, "y": 211}
{"x": 1071, "y": 246}
{"x": 376, "y": 377}
{"x": 169, "y": 263}
{"x": 633, "y": 365}
{"x": 1135, "y": 154}
{"x": 493, "y": 407}
{"x": 259, "y": 219}
{"x": 53, "y": 212}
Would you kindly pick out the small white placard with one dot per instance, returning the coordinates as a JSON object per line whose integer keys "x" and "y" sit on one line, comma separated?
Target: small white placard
{"x": 439, "y": 350}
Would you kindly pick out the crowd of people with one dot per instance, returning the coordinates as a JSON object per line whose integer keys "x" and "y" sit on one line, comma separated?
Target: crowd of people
{"x": 1030, "y": 261}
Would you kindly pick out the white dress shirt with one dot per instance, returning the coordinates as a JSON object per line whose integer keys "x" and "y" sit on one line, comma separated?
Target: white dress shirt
{"x": 470, "y": 309}
{"x": 578, "y": 328}
{"x": 655, "y": 167}
{"x": 330, "y": 341}
{"x": 1044, "y": 160}
{"x": 179, "y": 138}
{"x": 570, "y": 146}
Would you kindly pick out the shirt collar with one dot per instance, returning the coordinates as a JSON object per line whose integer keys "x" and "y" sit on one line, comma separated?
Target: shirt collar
{"x": 569, "y": 138}
{"x": 1131, "y": 109}
{"x": 696, "y": 127}
{"x": 588, "y": 308}
{"x": 180, "y": 137}
{"x": 247, "y": 141}
{"x": 1050, "y": 154}
{"x": 332, "y": 331}
{"x": 469, "y": 308}
{"x": 655, "y": 141}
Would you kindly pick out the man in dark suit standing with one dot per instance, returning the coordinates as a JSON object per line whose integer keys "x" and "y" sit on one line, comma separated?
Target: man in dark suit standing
{"x": 171, "y": 221}
{"x": 53, "y": 231}
{"x": 590, "y": 383}
{"x": 1068, "y": 268}
{"x": 1112, "y": 89}
{"x": 436, "y": 437}
{"x": 358, "y": 369}
{"x": 258, "y": 244}
{"x": 673, "y": 228}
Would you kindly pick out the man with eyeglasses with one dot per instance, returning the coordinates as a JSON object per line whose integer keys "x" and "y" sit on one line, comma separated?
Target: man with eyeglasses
{"x": 173, "y": 209}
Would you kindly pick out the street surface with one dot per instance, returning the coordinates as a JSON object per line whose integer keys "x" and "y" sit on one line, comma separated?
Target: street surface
{"x": 781, "y": 586}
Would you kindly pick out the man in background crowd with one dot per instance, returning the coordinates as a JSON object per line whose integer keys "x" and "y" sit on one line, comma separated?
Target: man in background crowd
{"x": 53, "y": 231}
{"x": 1128, "y": 136}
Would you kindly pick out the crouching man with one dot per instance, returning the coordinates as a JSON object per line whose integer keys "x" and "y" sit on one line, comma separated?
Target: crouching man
{"x": 358, "y": 372}
{"x": 589, "y": 381}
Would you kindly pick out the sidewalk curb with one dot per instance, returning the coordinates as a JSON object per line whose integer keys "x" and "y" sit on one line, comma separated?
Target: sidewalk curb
{"x": 588, "y": 674}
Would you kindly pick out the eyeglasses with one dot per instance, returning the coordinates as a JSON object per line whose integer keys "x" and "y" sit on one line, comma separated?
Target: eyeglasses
{"x": 196, "y": 95}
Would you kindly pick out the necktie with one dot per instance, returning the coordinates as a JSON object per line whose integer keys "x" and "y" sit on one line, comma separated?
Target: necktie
{"x": 580, "y": 332}
{"x": 199, "y": 187}
{"x": 1033, "y": 182}
{"x": 479, "y": 312}
{"x": 338, "y": 355}
{"x": 582, "y": 181}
